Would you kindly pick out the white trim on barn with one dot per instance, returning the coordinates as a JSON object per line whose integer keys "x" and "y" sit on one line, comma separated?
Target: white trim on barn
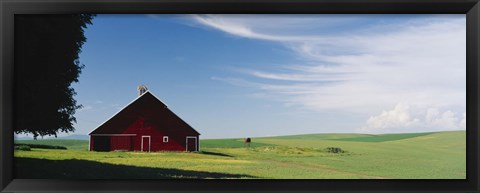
{"x": 89, "y": 143}
{"x": 113, "y": 134}
{"x": 186, "y": 142}
{"x": 149, "y": 142}
{"x": 157, "y": 98}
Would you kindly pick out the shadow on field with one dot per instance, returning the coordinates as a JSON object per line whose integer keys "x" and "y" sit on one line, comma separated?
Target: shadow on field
{"x": 215, "y": 153}
{"x": 31, "y": 168}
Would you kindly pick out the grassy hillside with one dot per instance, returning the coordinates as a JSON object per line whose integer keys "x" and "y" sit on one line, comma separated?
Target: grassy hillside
{"x": 406, "y": 156}
{"x": 321, "y": 136}
{"x": 382, "y": 138}
{"x": 436, "y": 155}
{"x": 228, "y": 143}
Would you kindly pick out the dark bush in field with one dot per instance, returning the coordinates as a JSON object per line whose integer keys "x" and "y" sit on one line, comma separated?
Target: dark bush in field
{"x": 334, "y": 150}
{"x": 41, "y": 146}
{"x": 23, "y": 148}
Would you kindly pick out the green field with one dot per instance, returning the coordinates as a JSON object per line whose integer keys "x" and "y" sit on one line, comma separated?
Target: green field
{"x": 439, "y": 155}
{"x": 68, "y": 143}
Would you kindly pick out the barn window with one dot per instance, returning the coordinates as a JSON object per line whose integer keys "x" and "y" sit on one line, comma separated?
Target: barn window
{"x": 165, "y": 139}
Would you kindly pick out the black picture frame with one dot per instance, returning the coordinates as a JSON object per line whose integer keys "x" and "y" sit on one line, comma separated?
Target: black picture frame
{"x": 8, "y": 9}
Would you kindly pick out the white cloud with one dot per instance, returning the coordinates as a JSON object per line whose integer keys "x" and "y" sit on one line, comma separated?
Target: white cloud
{"x": 405, "y": 118}
{"x": 305, "y": 77}
{"x": 399, "y": 117}
{"x": 358, "y": 69}
{"x": 447, "y": 119}
{"x": 245, "y": 26}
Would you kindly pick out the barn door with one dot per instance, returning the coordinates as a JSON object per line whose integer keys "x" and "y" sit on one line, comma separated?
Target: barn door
{"x": 191, "y": 143}
{"x": 146, "y": 143}
{"x": 101, "y": 143}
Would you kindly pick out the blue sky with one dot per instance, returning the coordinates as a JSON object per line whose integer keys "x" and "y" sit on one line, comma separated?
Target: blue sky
{"x": 267, "y": 75}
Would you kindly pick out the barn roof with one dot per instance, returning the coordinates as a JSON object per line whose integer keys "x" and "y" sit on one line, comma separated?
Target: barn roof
{"x": 146, "y": 99}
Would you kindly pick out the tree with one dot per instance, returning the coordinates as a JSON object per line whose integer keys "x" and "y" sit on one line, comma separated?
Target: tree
{"x": 46, "y": 58}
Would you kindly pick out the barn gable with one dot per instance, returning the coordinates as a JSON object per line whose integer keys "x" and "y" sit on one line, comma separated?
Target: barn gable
{"x": 146, "y": 124}
{"x": 147, "y": 107}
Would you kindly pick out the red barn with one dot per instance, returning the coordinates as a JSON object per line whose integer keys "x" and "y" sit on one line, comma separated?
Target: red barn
{"x": 146, "y": 124}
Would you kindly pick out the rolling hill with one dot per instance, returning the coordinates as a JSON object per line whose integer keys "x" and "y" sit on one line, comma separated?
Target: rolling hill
{"x": 437, "y": 155}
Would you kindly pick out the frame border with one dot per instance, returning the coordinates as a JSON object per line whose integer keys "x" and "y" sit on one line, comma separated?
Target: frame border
{"x": 8, "y": 8}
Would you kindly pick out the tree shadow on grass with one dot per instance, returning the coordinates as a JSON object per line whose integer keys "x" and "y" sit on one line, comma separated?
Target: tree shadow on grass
{"x": 32, "y": 168}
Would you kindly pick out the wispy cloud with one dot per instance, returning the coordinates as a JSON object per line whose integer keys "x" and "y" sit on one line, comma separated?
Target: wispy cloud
{"x": 362, "y": 68}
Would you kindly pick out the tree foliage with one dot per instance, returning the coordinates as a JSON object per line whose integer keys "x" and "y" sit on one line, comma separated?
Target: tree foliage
{"x": 46, "y": 58}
